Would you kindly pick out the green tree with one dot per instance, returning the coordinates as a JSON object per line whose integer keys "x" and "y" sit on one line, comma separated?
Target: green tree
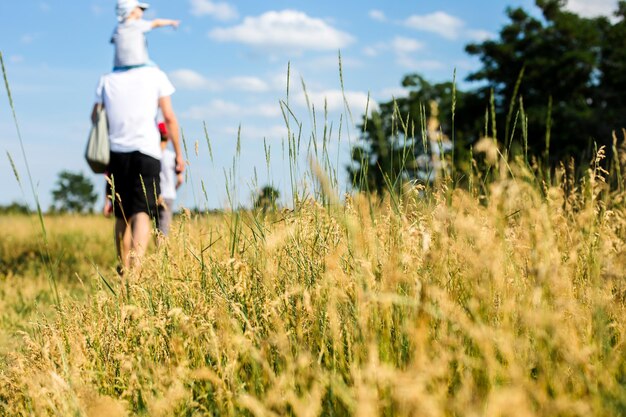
{"x": 267, "y": 198}
{"x": 561, "y": 77}
{"x": 560, "y": 56}
{"x": 74, "y": 193}
{"x": 610, "y": 100}
{"x": 15, "y": 208}
{"x": 395, "y": 138}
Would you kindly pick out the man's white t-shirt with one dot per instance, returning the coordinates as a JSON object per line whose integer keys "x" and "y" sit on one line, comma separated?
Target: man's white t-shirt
{"x": 131, "y": 101}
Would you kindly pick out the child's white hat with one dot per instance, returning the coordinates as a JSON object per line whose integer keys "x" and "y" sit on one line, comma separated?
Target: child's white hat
{"x": 125, "y": 7}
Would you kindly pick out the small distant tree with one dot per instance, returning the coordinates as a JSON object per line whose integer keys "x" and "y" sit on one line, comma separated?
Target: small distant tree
{"x": 74, "y": 193}
{"x": 267, "y": 198}
{"x": 15, "y": 208}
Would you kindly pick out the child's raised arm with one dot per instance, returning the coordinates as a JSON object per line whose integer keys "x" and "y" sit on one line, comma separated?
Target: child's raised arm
{"x": 157, "y": 23}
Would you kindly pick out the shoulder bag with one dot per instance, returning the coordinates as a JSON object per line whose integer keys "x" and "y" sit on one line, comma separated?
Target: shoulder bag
{"x": 98, "y": 151}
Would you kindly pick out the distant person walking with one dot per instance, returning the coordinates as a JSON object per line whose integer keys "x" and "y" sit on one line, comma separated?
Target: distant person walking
{"x": 131, "y": 48}
{"x": 170, "y": 181}
{"x": 132, "y": 100}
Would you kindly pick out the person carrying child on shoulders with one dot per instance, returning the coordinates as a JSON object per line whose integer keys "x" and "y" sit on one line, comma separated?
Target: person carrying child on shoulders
{"x": 131, "y": 49}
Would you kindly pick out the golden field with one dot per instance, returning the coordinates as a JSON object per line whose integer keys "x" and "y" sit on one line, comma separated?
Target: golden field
{"x": 502, "y": 300}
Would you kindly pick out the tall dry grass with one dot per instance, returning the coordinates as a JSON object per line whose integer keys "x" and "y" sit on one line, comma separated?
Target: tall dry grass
{"x": 76, "y": 245}
{"x": 502, "y": 300}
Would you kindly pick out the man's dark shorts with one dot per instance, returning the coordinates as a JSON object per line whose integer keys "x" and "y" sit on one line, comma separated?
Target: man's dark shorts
{"x": 136, "y": 179}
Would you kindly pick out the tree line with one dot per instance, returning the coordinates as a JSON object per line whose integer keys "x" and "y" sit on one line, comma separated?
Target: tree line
{"x": 551, "y": 88}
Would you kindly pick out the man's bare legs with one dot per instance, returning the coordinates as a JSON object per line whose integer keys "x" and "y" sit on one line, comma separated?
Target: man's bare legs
{"x": 132, "y": 239}
{"x": 122, "y": 243}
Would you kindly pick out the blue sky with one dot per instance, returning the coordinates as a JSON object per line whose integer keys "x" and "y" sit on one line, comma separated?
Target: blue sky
{"x": 228, "y": 61}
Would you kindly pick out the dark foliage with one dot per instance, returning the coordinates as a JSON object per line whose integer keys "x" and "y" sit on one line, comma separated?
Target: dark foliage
{"x": 563, "y": 76}
{"x": 74, "y": 193}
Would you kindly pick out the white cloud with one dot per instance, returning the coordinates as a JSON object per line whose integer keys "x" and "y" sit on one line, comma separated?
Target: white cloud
{"x": 465, "y": 64}
{"x": 268, "y": 110}
{"x": 480, "y": 35}
{"x": 287, "y": 29}
{"x": 371, "y": 51}
{"x": 278, "y": 81}
{"x": 420, "y": 64}
{"x": 592, "y": 8}
{"x": 376, "y": 49}
{"x": 327, "y": 62}
{"x": 97, "y": 10}
{"x": 28, "y": 38}
{"x": 377, "y": 15}
{"x": 441, "y": 23}
{"x": 403, "y": 45}
{"x": 404, "y": 48}
{"x": 219, "y": 10}
{"x": 44, "y": 7}
{"x": 252, "y": 84}
{"x": 334, "y": 100}
{"x": 212, "y": 110}
{"x": 191, "y": 80}
{"x": 447, "y": 26}
{"x": 387, "y": 93}
{"x": 16, "y": 59}
{"x": 258, "y": 132}
{"x": 221, "y": 109}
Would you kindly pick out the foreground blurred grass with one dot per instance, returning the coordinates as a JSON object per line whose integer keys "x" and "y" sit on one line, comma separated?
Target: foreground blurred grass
{"x": 431, "y": 304}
